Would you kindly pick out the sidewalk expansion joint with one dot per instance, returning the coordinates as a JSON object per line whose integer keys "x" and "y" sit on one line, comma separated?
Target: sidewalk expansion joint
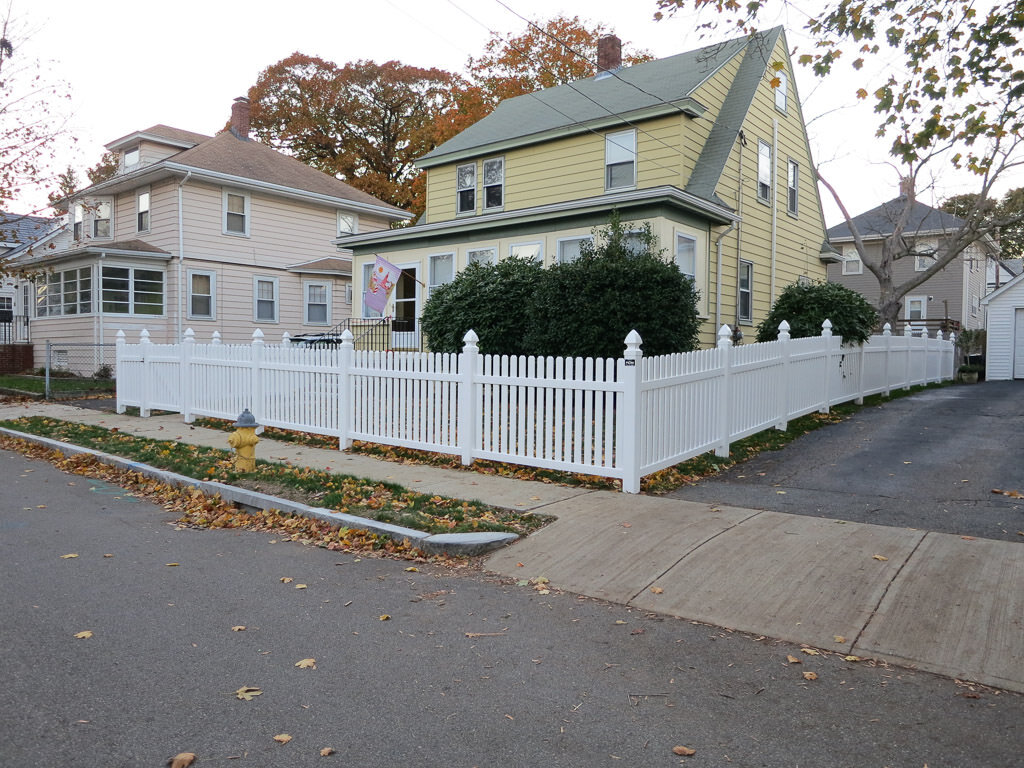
{"x": 881, "y": 598}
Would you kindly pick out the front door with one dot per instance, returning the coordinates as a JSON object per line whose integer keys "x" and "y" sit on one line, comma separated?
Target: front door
{"x": 405, "y": 332}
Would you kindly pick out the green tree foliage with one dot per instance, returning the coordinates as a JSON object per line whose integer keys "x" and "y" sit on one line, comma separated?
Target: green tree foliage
{"x": 1006, "y": 213}
{"x": 806, "y": 306}
{"x": 582, "y": 309}
{"x": 492, "y": 300}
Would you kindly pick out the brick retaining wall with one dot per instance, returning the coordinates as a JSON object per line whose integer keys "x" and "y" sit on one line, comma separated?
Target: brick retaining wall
{"x": 15, "y": 358}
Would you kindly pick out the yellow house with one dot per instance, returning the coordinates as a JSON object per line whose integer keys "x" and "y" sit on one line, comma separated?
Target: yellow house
{"x": 709, "y": 147}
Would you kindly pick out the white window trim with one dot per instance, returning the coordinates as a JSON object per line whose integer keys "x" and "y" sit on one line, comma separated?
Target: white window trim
{"x": 484, "y": 185}
{"x": 767, "y": 199}
{"x": 78, "y": 222}
{"x": 924, "y": 308}
{"x": 782, "y": 92}
{"x": 923, "y": 262}
{"x": 558, "y": 246}
{"x": 256, "y": 280}
{"x": 224, "y": 212}
{"x": 539, "y": 258}
{"x": 306, "y": 284}
{"x": 98, "y": 300}
{"x": 491, "y": 249}
{"x": 348, "y": 293}
{"x": 355, "y": 223}
{"x": 138, "y": 210}
{"x": 95, "y": 219}
{"x": 213, "y": 294}
{"x": 749, "y": 318}
{"x": 850, "y": 258}
{"x": 611, "y": 138}
{"x": 51, "y": 308}
{"x": 793, "y": 191}
{"x": 431, "y": 285}
{"x": 458, "y": 190}
{"x": 675, "y": 254}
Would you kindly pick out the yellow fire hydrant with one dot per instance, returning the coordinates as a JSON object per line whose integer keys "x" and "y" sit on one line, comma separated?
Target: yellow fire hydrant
{"x": 244, "y": 440}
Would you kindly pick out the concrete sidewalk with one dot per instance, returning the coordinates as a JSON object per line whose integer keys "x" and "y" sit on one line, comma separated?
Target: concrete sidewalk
{"x": 938, "y": 602}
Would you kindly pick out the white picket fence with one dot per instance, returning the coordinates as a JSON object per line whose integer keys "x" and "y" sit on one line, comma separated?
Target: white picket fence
{"x": 620, "y": 418}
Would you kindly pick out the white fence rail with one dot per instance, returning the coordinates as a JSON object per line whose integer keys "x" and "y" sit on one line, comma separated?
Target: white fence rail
{"x": 621, "y": 418}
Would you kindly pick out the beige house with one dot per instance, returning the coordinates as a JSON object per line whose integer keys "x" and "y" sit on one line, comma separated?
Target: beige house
{"x": 947, "y": 301}
{"x": 709, "y": 147}
{"x": 214, "y": 233}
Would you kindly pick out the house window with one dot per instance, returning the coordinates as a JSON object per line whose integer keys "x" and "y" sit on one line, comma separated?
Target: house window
{"x": 570, "y": 248}
{"x": 142, "y": 208}
{"x": 792, "y": 184}
{"x": 442, "y": 269}
{"x": 686, "y": 256}
{"x": 781, "y": 92}
{"x": 132, "y": 291}
{"x": 236, "y": 213}
{"x": 318, "y": 303}
{"x": 348, "y": 293}
{"x": 923, "y": 262}
{"x": 101, "y": 219}
{"x": 633, "y": 242}
{"x": 852, "y": 265}
{"x": 486, "y": 256}
{"x": 65, "y": 293}
{"x": 264, "y": 291}
{"x": 494, "y": 183}
{"x": 367, "y": 272}
{"x": 745, "y": 293}
{"x": 132, "y": 157}
{"x": 917, "y": 307}
{"x": 764, "y": 171}
{"x": 79, "y": 218}
{"x": 201, "y": 292}
{"x": 620, "y": 160}
{"x": 348, "y": 223}
{"x": 465, "y": 188}
{"x": 530, "y": 251}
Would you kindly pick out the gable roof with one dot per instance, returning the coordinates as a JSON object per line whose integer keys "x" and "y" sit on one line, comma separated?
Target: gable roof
{"x": 879, "y": 222}
{"x": 637, "y": 92}
{"x": 17, "y": 230}
{"x": 160, "y": 133}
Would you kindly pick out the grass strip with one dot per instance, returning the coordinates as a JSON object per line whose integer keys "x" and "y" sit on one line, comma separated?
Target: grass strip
{"x": 385, "y": 502}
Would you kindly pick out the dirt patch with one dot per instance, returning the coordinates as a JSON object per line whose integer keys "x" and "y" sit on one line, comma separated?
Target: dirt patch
{"x": 281, "y": 491}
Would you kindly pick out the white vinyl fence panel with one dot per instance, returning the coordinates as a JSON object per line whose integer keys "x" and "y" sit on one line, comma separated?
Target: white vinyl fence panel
{"x": 620, "y": 418}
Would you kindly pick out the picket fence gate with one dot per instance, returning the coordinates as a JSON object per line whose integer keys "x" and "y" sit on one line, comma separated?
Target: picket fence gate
{"x": 619, "y": 418}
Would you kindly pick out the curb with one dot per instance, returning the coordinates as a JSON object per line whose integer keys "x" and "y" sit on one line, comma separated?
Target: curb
{"x": 467, "y": 544}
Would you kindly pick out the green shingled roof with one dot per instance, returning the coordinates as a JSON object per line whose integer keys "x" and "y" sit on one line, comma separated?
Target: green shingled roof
{"x": 661, "y": 83}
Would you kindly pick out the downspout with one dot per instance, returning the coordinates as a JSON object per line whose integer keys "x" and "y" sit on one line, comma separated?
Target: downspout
{"x": 718, "y": 272}
{"x": 775, "y": 202}
{"x": 181, "y": 256}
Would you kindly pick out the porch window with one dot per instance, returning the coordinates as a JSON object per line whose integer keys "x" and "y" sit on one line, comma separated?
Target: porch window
{"x": 494, "y": 183}
{"x": 132, "y": 291}
{"x": 745, "y": 293}
{"x": 764, "y": 171}
{"x": 318, "y": 303}
{"x": 236, "y": 213}
{"x": 201, "y": 292}
{"x": 570, "y": 248}
{"x": 65, "y": 293}
{"x": 531, "y": 251}
{"x": 142, "y": 210}
{"x": 101, "y": 218}
{"x": 620, "y": 160}
{"x": 442, "y": 269}
{"x": 264, "y": 299}
{"x": 465, "y": 188}
{"x": 485, "y": 256}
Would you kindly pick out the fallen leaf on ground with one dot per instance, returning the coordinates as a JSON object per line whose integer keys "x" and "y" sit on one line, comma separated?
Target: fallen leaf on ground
{"x": 246, "y": 692}
{"x": 619, "y": 621}
{"x": 184, "y": 753}
{"x": 306, "y": 664}
{"x": 68, "y": 557}
{"x": 300, "y": 586}
{"x": 657, "y": 590}
{"x": 839, "y": 638}
{"x": 882, "y": 558}
{"x": 172, "y": 565}
{"x": 84, "y": 635}
{"x": 384, "y": 617}
{"x": 684, "y": 751}
{"x": 968, "y": 538}
{"x": 413, "y": 569}
{"x": 810, "y": 676}
{"x": 287, "y": 579}
{"x": 326, "y": 751}
{"x": 793, "y": 659}
{"x": 487, "y": 634}
{"x": 851, "y": 658}
{"x": 282, "y": 738}
{"x": 182, "y": 760}
{"x": 239, "y": 628}
{"x": 809, "y": 651}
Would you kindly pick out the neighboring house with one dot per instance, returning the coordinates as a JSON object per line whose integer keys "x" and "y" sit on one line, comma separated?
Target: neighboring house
{"x": 1004, "y": 337}
{"x": 949, "y": 300}
{"x": 214, "y": 233}
{"x": 703, "y": 146}
{"x": 17, "y": 232}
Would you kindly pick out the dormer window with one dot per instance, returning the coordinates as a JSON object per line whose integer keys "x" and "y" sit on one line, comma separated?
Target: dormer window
{"x": 101, "y": 219}
{"x": 465, "y": 188}
{"x": 132, "y": 157}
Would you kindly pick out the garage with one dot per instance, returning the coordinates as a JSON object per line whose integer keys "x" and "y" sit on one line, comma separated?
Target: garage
{"x": 1004, "y": 325}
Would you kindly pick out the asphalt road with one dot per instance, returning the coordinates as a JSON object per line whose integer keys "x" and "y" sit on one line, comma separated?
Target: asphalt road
{"x": 930, "y": 462}
{"x": 541, "y": 680}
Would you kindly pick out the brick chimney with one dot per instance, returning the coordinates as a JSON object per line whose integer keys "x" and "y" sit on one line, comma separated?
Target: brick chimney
{"x": 240, "y": 118}
{"x": 609, "y": 53}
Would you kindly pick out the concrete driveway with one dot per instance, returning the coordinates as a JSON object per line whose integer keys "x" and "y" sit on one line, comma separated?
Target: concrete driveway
{"x": 931, "y": 462}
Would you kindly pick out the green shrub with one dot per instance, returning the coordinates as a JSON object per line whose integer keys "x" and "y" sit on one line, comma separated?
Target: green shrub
{"x": 806, "y": 306}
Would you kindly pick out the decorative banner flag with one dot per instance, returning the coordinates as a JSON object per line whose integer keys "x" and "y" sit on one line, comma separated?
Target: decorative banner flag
{"x": 382, "y": 279}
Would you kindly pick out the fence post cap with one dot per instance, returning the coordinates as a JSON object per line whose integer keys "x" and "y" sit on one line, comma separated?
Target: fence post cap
{"x": 470, "y": 340}
{"x": 257, "y": 336}
{"x": 725, "y": 336}
{"x": 347, "y": 336}
{"x": 907, "y": 329}
{"x": 887, "y": 330}
{"x": 120, "y": 336}
{"x": 633, "y": 343}
{"x": 286, "y": 338}
{"x": 826, "y": 327}
{"x": 190, "y": 336}
{"x": 144, "y": 336}
{"x": 784, "y": 331}
{"x": 215, "y": 337}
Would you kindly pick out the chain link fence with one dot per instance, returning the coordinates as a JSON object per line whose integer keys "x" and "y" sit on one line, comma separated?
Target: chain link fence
{"x": 79, "y": 370}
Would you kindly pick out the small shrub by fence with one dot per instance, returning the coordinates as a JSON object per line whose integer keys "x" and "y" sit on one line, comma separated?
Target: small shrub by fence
{"x": 621, "y": 418}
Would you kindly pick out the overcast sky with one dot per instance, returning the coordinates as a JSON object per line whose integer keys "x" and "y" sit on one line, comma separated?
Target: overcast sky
{"x": 132, "y": 64}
